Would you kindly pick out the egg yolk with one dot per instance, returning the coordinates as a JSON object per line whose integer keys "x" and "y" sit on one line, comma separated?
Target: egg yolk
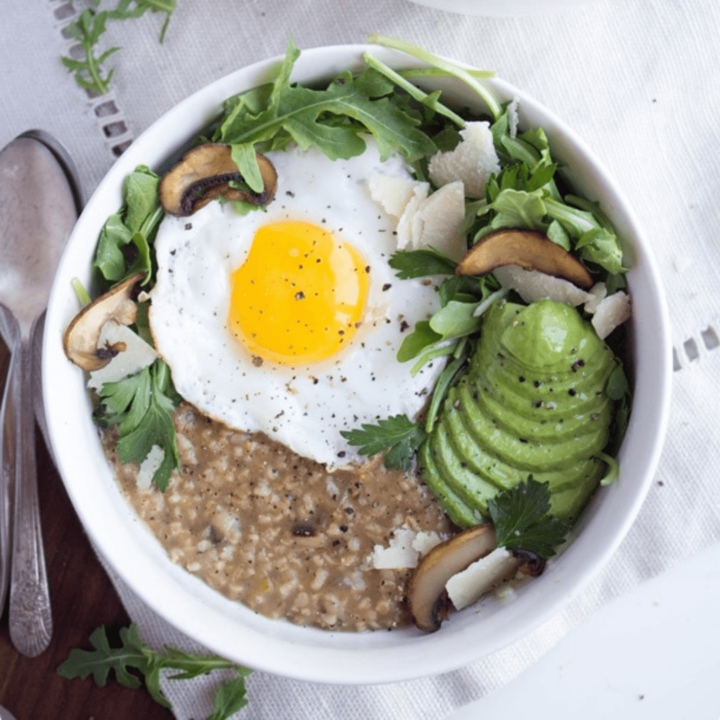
{"x": 299, "y": 296}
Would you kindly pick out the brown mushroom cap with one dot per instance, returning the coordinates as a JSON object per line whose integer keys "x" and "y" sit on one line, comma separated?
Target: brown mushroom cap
{"x": 528, "y": 249}
{"x": 82, "y": 335}
{"x": 204, "y": 173}
{"x": 427, "y": 596}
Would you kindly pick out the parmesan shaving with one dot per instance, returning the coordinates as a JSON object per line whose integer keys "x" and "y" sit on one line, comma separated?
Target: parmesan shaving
{"x": 136, "y": 355}
{"x": 472, "y": 161}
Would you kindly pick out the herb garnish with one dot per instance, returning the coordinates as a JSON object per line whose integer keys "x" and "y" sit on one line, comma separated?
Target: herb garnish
{"x": 333, "y": 119}
{"x": 134, "y": 658}
{"x": 142, "y": 406}
{"x": 522, "y": 520}
{"x": 397, "y": 435}
{"x": 89, "y": 28}
{"x": 123, "y": 247}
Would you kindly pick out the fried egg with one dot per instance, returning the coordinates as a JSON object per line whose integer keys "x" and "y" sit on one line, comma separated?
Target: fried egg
{"x": 287, "y": 321}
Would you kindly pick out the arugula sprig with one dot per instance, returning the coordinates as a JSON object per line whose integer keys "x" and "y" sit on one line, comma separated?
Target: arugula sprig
{"x": 333, "y": 119}
{"x": 522, "y": 520}
{"x": 134, "y": 659}
{"x": 142, "y": 407}
{"x": 88, "y": 29}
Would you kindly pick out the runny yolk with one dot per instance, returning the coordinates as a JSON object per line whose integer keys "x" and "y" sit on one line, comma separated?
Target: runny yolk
{"x": 300, "y": 294}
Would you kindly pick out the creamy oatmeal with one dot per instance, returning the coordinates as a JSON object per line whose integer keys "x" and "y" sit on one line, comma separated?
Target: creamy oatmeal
{"x": 279, "y": 533}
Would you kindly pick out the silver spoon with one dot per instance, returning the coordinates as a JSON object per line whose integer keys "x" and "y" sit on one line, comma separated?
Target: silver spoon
{"x": 39, "y": 204}
{"x": 5, "y": 714}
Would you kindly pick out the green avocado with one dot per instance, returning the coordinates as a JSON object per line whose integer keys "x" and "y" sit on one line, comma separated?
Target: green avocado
{"x": 531, "y": 402}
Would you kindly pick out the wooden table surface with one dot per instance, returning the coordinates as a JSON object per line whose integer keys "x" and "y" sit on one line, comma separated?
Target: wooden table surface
{"x": 82, "y": 598}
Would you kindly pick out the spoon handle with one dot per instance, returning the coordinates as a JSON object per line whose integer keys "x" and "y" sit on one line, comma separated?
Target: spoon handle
{"x": 30, "y": 616}
{"x": 9, "y": 336}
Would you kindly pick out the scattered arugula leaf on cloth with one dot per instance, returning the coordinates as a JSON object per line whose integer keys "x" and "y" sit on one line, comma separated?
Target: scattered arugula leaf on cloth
{"x": 88, "y": 29}
{"x": 134, "y": 659}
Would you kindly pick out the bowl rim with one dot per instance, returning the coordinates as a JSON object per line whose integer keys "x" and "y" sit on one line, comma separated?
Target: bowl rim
{"x": 275, "y": 646}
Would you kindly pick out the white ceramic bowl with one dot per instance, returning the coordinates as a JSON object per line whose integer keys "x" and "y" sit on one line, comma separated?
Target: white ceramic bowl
{"x": 230, "y": 629}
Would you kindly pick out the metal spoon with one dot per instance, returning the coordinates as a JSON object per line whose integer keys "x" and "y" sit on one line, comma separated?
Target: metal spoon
{"x": 39, "y": 204}
{"x": 5, "y": 714}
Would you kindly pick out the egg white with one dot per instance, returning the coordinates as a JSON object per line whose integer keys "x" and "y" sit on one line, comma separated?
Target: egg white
{"x": 304, "y": 407}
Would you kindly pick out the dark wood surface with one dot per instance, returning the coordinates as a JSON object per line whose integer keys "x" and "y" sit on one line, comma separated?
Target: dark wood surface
{"x": 82, "y": 598}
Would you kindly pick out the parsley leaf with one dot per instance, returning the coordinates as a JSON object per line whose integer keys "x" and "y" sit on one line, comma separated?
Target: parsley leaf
{"x": 419, "y": 263}
{"x": 134, "y": 659}
{"x": 522, "y": 520}
{"x": 399, "y": 436}
{"x": 142, "y": 407}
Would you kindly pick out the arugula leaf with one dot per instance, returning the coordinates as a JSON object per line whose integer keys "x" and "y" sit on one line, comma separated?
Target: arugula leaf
{"x": 522, "y": 520}
{"x": 398, "y": 436}
{"x": 89, "y": 27}
{"x": 125, "y": 11}
{"x": 333, "y": 119}
{"x": 142, "y": 407}
{"x": 469, "y": 78}
{"x": 134, "y": 658}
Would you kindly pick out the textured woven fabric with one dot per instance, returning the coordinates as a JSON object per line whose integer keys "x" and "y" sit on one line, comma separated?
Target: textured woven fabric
{"x": 637, "y": 81}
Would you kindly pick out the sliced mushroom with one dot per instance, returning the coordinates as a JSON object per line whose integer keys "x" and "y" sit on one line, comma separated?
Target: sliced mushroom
{"x": 80, "y": 341}
{"x": 204, "y": 173}
{"x": 427, "y": 595}
{"x": 526, "y": 248}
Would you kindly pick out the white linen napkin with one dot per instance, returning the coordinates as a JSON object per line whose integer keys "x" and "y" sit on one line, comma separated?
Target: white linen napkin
{"x": 638, "y": 81}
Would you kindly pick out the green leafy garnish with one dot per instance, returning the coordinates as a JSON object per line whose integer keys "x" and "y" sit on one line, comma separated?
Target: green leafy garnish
{"x": 123, "y": 247}
{"x": 88, "y": 73}
{"x": 522, "y": 519}
{"x": 142, "y": 407}
{"x": 134, "y": 660}
{"x": 420, "y": 263}
{"x": 333, "y": 119}
{"x": 88, "y": 29}
{"x": 525, "y": 194}
{"x": 397, "y": 436}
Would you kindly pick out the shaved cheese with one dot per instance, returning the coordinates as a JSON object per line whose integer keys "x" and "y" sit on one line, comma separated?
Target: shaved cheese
{"x": 149, "y": 466}
{"x": 480, "y": 577}
{"x": 425, "y": 541}
{"x": 612, "y": 311}
{"x": 434, "y": 220}
{"x": 392, "y": 193}
{"x": 404, "y": 550}
{"x": 597, "y": 292}
{"x": 533, "y": 285}
{"x": 399, "y": 554}
{"x": 406, "y": 230}
{"x": 472, "y": 161}
{"x": 136, "y": 354}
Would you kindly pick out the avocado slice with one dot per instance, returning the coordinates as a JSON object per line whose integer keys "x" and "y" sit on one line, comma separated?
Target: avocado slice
{"x": 459, "y": 513}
